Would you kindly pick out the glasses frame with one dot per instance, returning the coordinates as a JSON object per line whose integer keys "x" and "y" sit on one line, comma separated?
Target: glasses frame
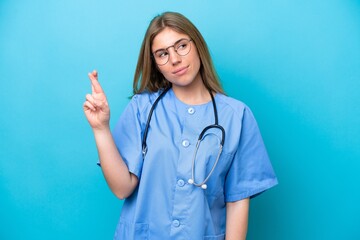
{"x": 172, "y": 46}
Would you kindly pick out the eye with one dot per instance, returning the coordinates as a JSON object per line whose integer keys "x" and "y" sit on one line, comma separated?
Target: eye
{"x": 161, "y": 54}
{"x": 181, "y": 45}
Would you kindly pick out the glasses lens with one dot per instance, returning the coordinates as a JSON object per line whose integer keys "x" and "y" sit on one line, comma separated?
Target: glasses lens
{"x": 183, "y": 47}
{"x": 161, "y": 57}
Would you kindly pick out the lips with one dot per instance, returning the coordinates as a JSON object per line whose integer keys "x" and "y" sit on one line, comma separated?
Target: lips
{"x": 180, "y": 71}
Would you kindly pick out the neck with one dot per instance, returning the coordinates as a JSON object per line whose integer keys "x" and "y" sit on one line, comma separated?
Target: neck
{"x": 194, "y": 94}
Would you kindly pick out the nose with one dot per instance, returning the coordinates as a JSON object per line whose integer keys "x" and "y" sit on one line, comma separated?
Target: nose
{"x": 174, "y": 58}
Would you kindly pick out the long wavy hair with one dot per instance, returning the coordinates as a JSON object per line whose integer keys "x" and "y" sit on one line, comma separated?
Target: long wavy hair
{"x": 147, "y": 76}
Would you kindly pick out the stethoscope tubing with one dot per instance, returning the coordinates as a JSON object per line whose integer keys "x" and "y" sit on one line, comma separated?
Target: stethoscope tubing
{"x": 215, "y": 125}
{"x": 144, "y": 145}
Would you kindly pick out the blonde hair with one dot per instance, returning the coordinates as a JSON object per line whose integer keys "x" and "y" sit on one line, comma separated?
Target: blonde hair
{"x": 147, "y": 76}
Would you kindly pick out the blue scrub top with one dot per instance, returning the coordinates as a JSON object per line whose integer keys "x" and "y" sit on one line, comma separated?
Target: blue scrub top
{"x": 164, "y": 205}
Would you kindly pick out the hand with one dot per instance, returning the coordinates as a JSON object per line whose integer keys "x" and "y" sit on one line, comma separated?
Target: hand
{"x": 96, "y": 107}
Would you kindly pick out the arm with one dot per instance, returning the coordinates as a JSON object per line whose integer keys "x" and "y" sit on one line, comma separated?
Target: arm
{"x": 237, "y": 219}
{"x": 121, "y": 182}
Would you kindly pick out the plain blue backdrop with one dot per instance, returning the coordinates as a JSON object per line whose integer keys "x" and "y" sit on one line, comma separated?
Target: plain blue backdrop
{"x": 295, "y": 63}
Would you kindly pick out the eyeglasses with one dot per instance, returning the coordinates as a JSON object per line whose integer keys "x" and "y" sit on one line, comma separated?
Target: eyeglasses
{"x": 182, "y": 47}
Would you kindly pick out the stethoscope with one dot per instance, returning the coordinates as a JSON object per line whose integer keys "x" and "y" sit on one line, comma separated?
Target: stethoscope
{"x": 215, "y": 125}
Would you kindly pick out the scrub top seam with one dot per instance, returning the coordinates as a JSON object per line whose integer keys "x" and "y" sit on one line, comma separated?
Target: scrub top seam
{"x": 260, "y": 189}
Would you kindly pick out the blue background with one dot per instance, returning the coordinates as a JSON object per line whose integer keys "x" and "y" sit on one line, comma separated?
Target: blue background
{"x": 295, "y": 63}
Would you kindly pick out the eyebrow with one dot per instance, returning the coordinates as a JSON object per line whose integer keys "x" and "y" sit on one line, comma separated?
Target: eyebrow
{"x": 165, "y": 49}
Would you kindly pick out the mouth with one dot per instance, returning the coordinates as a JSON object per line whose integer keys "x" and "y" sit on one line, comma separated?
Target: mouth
{"x": 180, "y": 71}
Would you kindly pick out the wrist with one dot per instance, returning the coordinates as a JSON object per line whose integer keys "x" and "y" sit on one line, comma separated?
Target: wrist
{"x": 102, "y": 130}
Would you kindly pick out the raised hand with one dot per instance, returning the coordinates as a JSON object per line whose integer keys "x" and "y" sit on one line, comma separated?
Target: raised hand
{"x": 96, "y": 107}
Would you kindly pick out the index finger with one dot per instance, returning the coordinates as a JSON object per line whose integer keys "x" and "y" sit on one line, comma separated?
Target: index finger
{"x": 95, "y": 85}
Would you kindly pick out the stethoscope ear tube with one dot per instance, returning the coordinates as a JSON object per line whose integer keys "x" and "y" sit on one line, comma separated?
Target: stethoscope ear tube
{"x": 203, "y": 184}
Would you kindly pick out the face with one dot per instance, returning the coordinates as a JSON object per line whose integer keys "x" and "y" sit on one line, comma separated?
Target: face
{"x": 181, "y": 71}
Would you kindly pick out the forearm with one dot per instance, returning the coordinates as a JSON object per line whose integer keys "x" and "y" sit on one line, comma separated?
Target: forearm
{"x": 117, "y": 175}
{"x": 237, "y": 219}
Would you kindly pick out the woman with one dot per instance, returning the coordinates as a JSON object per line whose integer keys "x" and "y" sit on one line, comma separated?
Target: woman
{"x": 175, "y": 186}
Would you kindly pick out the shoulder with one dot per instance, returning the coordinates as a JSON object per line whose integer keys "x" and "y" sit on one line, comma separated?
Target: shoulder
{"x": 231, "y": 104}
{"x": 143, "y": 100}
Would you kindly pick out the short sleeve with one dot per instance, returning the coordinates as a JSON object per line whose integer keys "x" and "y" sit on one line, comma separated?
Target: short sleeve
{"x": 127, "y": 137}
{"x": 251, "y": 172}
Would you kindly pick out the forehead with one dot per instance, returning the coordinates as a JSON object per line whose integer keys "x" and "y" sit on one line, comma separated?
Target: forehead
{"x": 167, "y": 37}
